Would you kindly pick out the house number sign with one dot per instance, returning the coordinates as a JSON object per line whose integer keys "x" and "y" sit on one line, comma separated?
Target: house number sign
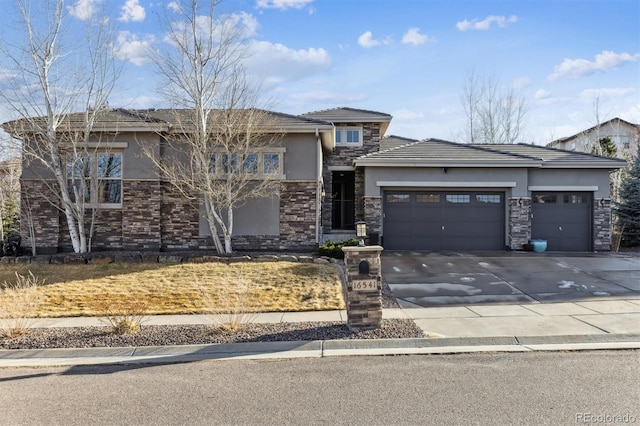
{"x": 365, "y": 285}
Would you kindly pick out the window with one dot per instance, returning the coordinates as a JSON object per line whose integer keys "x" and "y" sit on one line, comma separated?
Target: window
{"x": 229, "y": 166}
{"x": 109, "y": 178}
{"x": 575, "y": 199}
{"x": 250, "y": 164}
{"x": 428, "y": 198}
{"x": 271, "y": 164}
{"x": 259, "y": 164}
{"x": 96, "y": 178}
{"x": 398, "y": 198}
{"x": 488, "y": 198}
{"x": 545, "y": 199}
{"x": 458, "y": 198}
{"x": 348, "y": 136}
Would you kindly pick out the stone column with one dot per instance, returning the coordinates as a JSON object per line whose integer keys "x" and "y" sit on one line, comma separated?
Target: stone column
{"x": 519, "y": 222}
{"x": 602, "y": 224}
{"x": 364, "y": 287}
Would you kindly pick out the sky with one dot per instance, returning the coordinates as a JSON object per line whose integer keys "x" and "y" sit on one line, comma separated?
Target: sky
{"x": 412, "y": 58}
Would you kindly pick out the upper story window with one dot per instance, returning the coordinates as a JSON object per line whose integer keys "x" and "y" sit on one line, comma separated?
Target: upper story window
{"x": 348, "y": 136}
{"x": 95, "y": 178}
{"x": 259, "y": 164}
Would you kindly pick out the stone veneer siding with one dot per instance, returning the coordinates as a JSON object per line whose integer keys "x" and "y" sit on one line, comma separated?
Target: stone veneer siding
{"x": 344, "y": 156}
{"x": 519, "y": 224}
{"x": 45, "y": 217}
{"x": 373, "y": 215}
{"x": 297, "y": 222}
{"x": 602, "y": 224}
{"x": 179, "y": 220}
{"x": 297, "y": 213}
{"x": 141, "y": 215}
{"x": 155, "y": 216}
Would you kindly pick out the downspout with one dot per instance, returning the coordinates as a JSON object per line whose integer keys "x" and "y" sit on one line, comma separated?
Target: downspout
{"x": 319, "y": 187}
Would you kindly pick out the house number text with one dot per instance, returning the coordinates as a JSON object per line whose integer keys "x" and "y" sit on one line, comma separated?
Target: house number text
{"x": 365, "y": 285}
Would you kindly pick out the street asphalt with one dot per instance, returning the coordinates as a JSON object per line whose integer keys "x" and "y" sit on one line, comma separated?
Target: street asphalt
{"x": 568, "y": 310}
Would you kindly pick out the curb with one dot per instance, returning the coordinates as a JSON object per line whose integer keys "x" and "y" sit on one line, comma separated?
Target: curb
{"x": 310, "y": 349}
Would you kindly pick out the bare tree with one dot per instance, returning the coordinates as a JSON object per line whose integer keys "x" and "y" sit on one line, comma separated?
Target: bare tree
{"x": 9, "y": 191}
{"x": 494, "y": 115}
{"x": 218, "y": 149}
{"x": 53, "y": 75}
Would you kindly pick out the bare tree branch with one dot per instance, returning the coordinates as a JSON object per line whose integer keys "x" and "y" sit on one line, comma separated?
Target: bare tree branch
{"x": 220, "y": 149}
{"x": 51, "y": 77}
{"x": 493, "y": 115}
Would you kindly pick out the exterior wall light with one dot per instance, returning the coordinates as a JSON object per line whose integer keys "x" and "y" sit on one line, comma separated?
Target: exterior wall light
{"x": 361, "y": 232}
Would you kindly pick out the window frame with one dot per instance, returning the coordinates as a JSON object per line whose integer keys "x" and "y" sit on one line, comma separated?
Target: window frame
{"x": 342, "y": 133}
{"x": 92, "y": 176}
{"x": 218, "y": 163}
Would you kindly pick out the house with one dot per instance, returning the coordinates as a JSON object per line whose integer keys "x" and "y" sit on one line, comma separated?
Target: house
{"x": 624, "y": 134}
{"x": 335, "y": 167}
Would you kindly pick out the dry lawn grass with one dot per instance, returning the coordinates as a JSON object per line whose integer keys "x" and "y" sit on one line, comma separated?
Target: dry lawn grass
{"x": 79, "y": 290}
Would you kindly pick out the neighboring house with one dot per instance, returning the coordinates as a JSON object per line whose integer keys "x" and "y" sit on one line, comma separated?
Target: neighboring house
{"x": 624, "y": 134}
{"x": 427, "y": 195}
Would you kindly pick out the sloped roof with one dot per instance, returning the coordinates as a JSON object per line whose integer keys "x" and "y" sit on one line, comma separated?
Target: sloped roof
{"x": 440, "y": 153}
{"x": 107, "y": 119}
{"x": 277, "y": 119}
{"x": 591, "y": 129}
{"x": 352, "y": 115}
{"x": 393, "y": 141}
{"x": 554, "y": 157}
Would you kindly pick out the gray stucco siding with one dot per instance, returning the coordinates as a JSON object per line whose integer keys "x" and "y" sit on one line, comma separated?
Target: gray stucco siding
{"x": 135, "y": 163}
{"x": 300, "y": 158}
{"x": 571, "y": 179}
{"x": 498, "y": 179}
{"x": 256, "y": 217}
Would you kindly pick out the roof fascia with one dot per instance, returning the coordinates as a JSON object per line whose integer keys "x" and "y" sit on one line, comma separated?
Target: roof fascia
{"x": 412, "y": 162}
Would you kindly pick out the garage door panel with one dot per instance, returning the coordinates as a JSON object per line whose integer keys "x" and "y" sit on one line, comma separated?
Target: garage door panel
{"x": 564, "y": 219}
{"x": 452, "y": 220}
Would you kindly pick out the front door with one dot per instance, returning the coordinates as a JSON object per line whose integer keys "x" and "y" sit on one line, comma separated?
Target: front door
{"x": 343, "y": 200}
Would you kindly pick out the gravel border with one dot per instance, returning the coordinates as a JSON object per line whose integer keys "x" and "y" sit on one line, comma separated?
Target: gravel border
{"x": 154, "y": 335}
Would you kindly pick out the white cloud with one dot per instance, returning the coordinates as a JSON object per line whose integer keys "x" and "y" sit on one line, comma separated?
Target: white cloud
{"x": 274, "y": 63}
{"x": 521, "y": 83}
{"x": 604, "y": 61}
{"x": 404, "y": 114}
{"x": 367, "y": 41}
{"x": 282, "y": 4}
{"x": 83, "y": 9}
{"x": 174, "y": 7}
{"x": 244, "y": 20}
{"x": 589, "y": 95}
{"x": 132, "y": 12}
{"x": 485, "y": 24}
{"x": 542, "y": 94}
{"x": 134, "y": 48}
{"x": 413, "y": 36}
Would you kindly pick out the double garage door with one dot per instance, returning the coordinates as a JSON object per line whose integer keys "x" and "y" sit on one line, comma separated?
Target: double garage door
{"x": 451, "y": 220}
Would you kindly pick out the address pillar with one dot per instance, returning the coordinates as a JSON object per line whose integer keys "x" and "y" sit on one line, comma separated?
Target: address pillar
{"x": 364, "y": 287}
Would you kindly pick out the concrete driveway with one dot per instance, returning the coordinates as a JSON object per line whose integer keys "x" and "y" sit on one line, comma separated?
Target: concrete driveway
{"x": 425, "y": 279}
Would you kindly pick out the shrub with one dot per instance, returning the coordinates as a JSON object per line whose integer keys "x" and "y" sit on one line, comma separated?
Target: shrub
{"x": 228, "y": 310}
{"x": 19, "y": 304}
{"x": 124, "y": 317}
{"x": 334, "y": 249}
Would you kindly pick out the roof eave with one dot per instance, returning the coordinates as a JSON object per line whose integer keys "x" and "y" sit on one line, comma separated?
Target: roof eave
{"x": 444, "y": 163}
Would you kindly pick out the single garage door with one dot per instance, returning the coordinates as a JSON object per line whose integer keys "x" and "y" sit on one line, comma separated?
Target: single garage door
{"x": 436, "y": 221}
{"x": 563, "y": 219}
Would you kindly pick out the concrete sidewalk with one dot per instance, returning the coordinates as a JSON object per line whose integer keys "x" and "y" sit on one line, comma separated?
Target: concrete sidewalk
{"x": 602, "y": 324}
